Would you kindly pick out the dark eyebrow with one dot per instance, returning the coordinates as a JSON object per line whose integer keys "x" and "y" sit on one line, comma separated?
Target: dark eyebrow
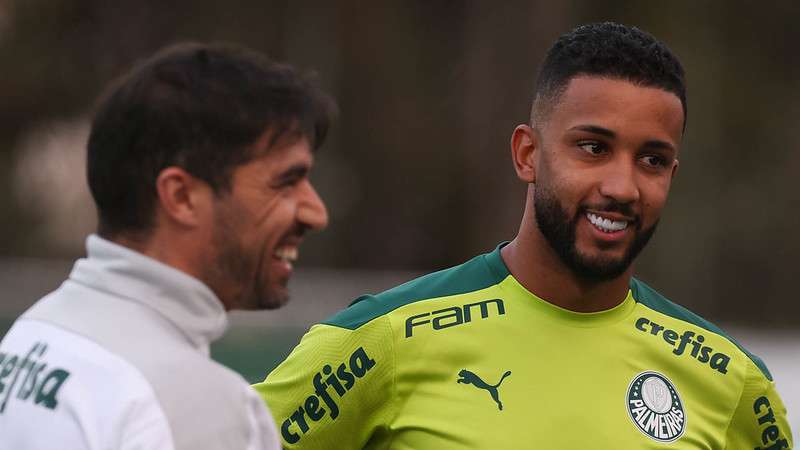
{"x": 595, "y": 129}
{"x": 294, "y": 172}
{"x": 653, "y": 144}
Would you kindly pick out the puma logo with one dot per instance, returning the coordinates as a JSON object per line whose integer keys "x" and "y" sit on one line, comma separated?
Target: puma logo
{"x": 467, "y": 377}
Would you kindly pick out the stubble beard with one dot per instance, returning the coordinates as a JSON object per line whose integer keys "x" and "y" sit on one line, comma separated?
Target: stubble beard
{"x": 234, "y": 265}
{"x": 559, "y": 229}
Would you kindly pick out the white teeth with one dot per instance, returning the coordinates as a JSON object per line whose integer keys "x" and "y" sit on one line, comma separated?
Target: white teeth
{"x": 606, "y": 225}
{"x": 288, "y": 254}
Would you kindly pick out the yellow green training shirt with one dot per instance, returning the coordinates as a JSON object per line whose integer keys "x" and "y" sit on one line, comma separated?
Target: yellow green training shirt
{"x": 467, "y": 358}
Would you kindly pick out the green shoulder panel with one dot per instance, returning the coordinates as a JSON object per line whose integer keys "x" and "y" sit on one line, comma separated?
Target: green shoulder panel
{"x": 652, "y": 299}
{"x": 476, "y": 274}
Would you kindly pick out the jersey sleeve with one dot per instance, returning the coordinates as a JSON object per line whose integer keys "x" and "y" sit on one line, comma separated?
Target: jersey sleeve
{"x": 759, "y": 421}
{"x": 335, "y": 390}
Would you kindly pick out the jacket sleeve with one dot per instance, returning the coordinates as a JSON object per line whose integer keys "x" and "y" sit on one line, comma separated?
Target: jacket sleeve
{"x": 759, "y": 421}
{"x": 335, "y": 390}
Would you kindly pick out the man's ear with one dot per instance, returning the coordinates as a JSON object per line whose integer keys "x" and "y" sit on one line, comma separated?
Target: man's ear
{"x": 524, "y": 147}
{"x": 183, "y": 199}
{"x": 675, "y": 166}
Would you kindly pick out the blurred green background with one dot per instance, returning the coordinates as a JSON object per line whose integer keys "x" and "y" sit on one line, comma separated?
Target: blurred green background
{"x": 254, "y": 351}
{"x": 417, "y": 174}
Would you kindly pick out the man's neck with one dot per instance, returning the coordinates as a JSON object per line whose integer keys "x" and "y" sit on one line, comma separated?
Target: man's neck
{"x": 536, "y": 267}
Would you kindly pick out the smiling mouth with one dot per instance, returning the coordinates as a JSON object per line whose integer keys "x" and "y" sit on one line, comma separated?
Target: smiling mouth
{"x": 287, "y": 254}
{"x": 605, "y": 224}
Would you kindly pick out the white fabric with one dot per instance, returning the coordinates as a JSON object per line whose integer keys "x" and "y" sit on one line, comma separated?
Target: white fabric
{"x": 118, "y": 358}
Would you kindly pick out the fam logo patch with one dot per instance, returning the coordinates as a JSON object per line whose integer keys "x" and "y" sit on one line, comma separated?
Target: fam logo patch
{"x": 655, "y": 407}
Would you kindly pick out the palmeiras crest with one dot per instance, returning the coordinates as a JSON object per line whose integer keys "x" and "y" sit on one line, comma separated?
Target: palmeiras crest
{"x": 655, "y": 407}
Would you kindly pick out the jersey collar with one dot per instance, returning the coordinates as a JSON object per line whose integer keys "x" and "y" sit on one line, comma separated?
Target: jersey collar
{"x": 594, "y": 319}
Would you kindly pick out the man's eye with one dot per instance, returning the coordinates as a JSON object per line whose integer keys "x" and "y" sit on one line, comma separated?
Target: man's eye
{"x": 591, "y": 147}
{"x": 655, "y": 161}
{"x": 287, "y": 182}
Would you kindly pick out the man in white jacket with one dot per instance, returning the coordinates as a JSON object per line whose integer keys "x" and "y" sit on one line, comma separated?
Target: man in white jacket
{"x": 198, "y": 161}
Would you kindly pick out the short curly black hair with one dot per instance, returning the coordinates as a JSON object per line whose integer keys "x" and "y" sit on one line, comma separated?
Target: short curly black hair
{"x": 606, "y": 50}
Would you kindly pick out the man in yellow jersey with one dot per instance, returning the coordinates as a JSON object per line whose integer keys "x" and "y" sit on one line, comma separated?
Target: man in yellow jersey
{"x": 548, "y": 341}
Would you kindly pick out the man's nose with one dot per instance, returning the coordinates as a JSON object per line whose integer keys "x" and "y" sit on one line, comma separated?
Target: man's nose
{"x": 312, "y": 211}
{"x": 620, "y": 183}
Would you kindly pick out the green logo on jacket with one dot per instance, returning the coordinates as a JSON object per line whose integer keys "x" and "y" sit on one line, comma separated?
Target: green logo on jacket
{"x": 467, "y": 377}
{"x": 655, "y": 407}
{"x": 770, "y": 434}
{"x": 701, "y": 352}
{"x": 340, "y": 380}
{"x": 455, "y": 315}
{"x": 31, "y": 378}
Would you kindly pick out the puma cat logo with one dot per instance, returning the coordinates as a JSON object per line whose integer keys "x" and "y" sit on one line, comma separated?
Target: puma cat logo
{"x": 467, "y": 377}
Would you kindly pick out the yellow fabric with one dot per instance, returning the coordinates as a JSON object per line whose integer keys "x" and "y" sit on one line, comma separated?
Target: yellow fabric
{"x": 570, "y": 386}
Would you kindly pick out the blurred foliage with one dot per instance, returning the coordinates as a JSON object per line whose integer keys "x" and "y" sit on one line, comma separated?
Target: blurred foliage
{"x": 254, "y": 352}
{"x": 417, "y": 173}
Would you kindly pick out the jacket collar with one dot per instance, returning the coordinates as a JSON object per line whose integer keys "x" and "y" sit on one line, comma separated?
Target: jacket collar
{"x": 183, "y": 300}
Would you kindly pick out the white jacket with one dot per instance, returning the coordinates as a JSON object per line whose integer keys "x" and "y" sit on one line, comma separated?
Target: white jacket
{"x": 118, "y": 358}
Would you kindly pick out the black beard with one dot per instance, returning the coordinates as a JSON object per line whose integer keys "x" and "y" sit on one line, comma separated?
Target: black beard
{"x": 237, "y": 264}
{"x": 559, "y": 230}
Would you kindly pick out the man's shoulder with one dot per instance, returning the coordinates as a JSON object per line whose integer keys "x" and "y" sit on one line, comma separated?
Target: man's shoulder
{"x": 86, "y": 358}
{"x": 52, "y": 372}
{"x": 50, "y": 348}
{"x": 126, "y": 341}
{"x": 480, "y": 272}
{"x": 655, "y": 301}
